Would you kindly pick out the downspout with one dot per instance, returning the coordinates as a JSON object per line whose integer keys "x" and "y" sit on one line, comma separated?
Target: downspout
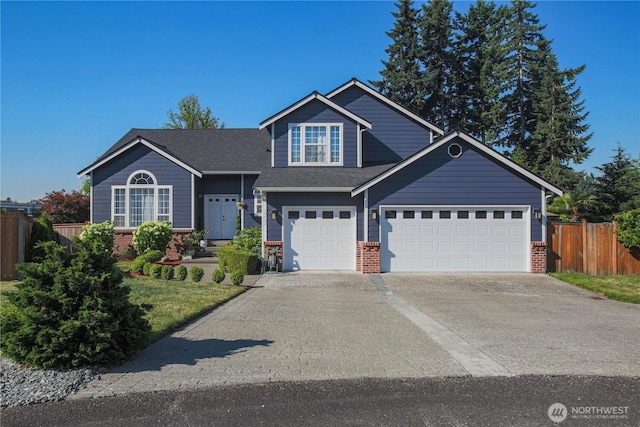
{"x": 366, "y": 215}
{"x": 543, "y": 208}
{"x": 91, "y": 197}
{"x": 242, "y": 200}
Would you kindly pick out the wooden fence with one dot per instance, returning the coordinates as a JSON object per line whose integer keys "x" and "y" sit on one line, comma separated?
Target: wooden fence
{"x": 67, "y": 232}
{"x": 590, "y": 248}
{"x": 15, "y": 232}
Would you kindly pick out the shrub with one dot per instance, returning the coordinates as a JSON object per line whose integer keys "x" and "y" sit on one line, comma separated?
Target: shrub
{"x": 146, "y": 269}
{"x": 237, "y": 277}
{"x": 181, "y": 272}
{"x": 71, "y": 310}
{"x": 138, "y": 265}
{"x": 167, "y": 272}
{"x": 196, "y": 273}
{"x": 249, "y": 239}
{"x": 628, "y": 229}
{"x": 152, "y": 235}
{"x": 236, "y": 259}
{"x": 155, "y": 271}
{"x": 42, "y": 231}
{"x": 218, "y": 275}
{"x": 152, "y": 256}
{"x": 99, "y": 237}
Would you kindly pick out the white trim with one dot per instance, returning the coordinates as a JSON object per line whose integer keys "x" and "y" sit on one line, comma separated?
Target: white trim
{"x": 366, "y": 216}
{"x": 242, "y": 200}
{"x": 194, "y": 201}
{"x": 257, "y": 195}
{"x": 306, "y": 189}
{"x": 380, "y": 97}
{"x": 303, "y": 144}
{"x": 475, "y": 143}
{"x": 231, "y": 172}
{"x": 91, "y": 203}
{"x": 152, "y": 147}
{"x": 306, "y": 100}
{"x": 273, "y": 146}
{"x": 359, "y": 145}
{"x": 543, "y": 209}
{"x": 263, "y": 219}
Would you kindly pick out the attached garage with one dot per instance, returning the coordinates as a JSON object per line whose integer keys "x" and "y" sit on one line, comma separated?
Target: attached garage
{"x": 319, "y": 238}
{"x": 455, "y": 238}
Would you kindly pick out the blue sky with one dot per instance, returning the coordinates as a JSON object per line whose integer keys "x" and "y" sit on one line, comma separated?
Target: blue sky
{"x": 76, "y": 76}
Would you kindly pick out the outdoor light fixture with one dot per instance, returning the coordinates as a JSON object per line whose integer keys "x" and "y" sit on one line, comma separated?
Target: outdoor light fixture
{"x": 274, "y": 214}
{"x": 374, "y": 214}
{"x": 537, "y": 214}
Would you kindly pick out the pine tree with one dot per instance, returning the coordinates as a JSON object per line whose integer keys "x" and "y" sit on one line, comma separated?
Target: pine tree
{"x": 435, "y": 29}
{"x": 618, "y": 187}
{"x": 401, "y": 76}
{"x": 482, "y": 74}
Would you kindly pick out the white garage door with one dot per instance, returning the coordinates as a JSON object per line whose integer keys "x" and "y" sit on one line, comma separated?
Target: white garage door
{"x": 454, "y": 238}
{"x": 319, "y": 238}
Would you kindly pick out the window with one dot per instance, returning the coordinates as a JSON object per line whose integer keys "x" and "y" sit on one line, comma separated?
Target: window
{"x": 445, "y": 214}
{"x": 427, "y": 214}
{"x": 327, "y": 214}
{"x": 389, "y": 214}
{"x": 463, "y": 214}
{"x": 516, "y": 214}
{"x": 498, "y": 214}
{"x": 345, "y": 215}
{"x": 310, "y": 214}
{"x": 481, "y": 214}
{"x": 455, "y": 150}
{"x": 257, "y": 203}
{"x": 315, "y": 144}
{"x": 140, "y": 200}
{"x": 293, "y": 215}
{"x": 408, "y": 214}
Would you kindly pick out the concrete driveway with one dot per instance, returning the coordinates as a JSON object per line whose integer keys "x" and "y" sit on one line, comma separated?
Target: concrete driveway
{"x": 312, "y": 325}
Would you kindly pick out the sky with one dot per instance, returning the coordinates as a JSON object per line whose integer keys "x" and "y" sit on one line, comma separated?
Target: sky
{"x": 76, "y": 76}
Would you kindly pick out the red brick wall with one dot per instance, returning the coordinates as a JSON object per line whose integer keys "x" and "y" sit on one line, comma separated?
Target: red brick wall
{"x": 368, "y": 257}
{"x": 269, "y": 244}
{"x": 123, "y": 240}
{"x": 539, "y": 257}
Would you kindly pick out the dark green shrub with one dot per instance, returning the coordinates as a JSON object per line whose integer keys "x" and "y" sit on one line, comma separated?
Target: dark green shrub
{"x": 71, "y": 310}
{"x": 236, "y": 259}
{"x": 628, "y": 228}
{"x": 152, "y": 256}
{"x": 218, "y": 275}
{"x": 146, "y": 269}
{"x": 181, "y": 272}
{"x": 137, "y": 265}
{"x": 167, "y": 272}
{"x": 152, "y": 235}
{"x": 238, "y": 224}
{"x": 196, "y": 273}
{"x": 237, "y": 277}
{"x": 42, "y": 231}
{"x": 249, "y": 239}
{"x": 155, "y": 271}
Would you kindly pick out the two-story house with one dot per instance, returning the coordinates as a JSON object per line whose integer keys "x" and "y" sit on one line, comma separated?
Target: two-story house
{"x": 349, "y": 180}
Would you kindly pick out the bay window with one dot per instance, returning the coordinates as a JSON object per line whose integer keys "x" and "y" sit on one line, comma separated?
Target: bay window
{"x": 140, "y": 200}
{"x": 315, "y": 144}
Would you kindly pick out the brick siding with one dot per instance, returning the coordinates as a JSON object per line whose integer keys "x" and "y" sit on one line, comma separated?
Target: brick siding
{"x": 368, "y": 257}
{"x": 123, "y": 243}
{"x": 539, "y": 257}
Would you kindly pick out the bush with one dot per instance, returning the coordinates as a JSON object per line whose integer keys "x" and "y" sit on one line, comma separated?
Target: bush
{"x": 167, "y": 272}
{"x": 155, "y": 271}
{"x": 146, "y": 269}
{"x": 152, "y": 235}
{"x": 237, "y": 277}
{"x": 99, "y": 237}
{"x": 249, "y": 239}
{"x": 42, "y": 231}
{"x": 71, "y": 310}
{"x": 137, "y": 266}
{"x": 236, "y": 259}
{"x": 181, "y": 272}
{"x": 218, "y": 275}
{"x": 196, "y": 274}
{"x": 628, "y": 229}
{"x": 152, "y": 256}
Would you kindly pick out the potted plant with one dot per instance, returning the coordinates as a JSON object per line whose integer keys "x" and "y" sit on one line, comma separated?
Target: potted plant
{"x": 241, "y": 205}
{"x": 195, "y": 239}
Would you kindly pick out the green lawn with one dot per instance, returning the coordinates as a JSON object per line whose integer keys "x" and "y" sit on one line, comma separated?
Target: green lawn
{"x": 619, "y": 288}
{"x": 171, "y": 303}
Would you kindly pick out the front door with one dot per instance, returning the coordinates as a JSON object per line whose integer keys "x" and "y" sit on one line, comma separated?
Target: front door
{"x": 220, "y": 213}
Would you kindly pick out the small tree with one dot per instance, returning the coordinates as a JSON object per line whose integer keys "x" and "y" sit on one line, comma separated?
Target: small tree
{"x": 191, "y": 115}
{"x": 67, "y": 207}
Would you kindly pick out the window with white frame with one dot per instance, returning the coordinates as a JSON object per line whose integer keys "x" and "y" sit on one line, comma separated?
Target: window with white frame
{"x": 257, "y": 203}
{"x": 140, "y": 200}
{"x": 315, "y": 144}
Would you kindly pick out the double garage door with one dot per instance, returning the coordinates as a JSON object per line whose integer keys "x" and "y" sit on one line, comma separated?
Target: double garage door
{"x": 454, "y": 238}
{"x": 319, "y": 238}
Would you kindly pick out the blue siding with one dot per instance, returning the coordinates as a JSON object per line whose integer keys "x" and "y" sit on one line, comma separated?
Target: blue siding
{"x": 394, "y": 136}
{"x": 117, "y": 171}
{"x": 316, "y": 111}
{"x": 278, "y": 200}
{"x": 471, "y": 179}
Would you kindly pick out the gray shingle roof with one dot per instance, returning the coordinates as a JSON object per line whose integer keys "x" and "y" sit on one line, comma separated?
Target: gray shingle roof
{"x": 207, "y": 149}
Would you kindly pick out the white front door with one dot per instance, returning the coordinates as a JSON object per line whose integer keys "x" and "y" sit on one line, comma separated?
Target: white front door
{"x": 319, "y": 238}
{"x": 220, "y": 213}
{"x": 454, "y": 238}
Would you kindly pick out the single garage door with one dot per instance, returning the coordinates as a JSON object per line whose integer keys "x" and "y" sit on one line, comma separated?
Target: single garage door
{"x": 454, "y": 238}
{"x": 319, "y": 238}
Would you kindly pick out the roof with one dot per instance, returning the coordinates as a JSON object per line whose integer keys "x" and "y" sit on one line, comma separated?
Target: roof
{"x": 311, "y": 97}
{"x": 474, "y": 142}
{"x": 201, "y": 151}
{"x": 318, "y": 178}
{"x": 385, "y": 100}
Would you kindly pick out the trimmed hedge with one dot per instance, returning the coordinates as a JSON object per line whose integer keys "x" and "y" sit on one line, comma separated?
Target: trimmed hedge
{"x": 155, "y": 271}
{"x": 181, "y": 272}
{"x": 196, "y": 273}
{"x": 167, "y": 272}
{"x": 237, "y": 259}
{"x": 218, "y": 275}
{"x": 237, "y": 277}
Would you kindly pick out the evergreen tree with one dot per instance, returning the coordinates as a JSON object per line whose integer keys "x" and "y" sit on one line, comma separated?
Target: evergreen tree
{"x": 480, "y": 52}
{"x": 617, "y": 189}
{"x": 435, "y": 30}
{"x": 401, "y": 76}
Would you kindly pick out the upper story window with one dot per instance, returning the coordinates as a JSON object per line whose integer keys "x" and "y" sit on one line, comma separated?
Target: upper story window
{"x": 139, "y": 201}
{"x": 315, "y": 144}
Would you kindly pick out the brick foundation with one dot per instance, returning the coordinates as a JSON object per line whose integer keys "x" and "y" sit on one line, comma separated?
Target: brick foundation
{"x": 273, "y": 244}
{"x": 123, "y": 243}
{"x": 368, "y": 257}
{"x": 539, "y": 257}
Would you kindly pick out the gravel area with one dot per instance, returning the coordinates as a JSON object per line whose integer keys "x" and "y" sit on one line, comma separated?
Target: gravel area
{"x": 23, "y": 386}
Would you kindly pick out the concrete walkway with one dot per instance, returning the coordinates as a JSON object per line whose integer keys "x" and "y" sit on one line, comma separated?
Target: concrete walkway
{"x": 312, "y": 326}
